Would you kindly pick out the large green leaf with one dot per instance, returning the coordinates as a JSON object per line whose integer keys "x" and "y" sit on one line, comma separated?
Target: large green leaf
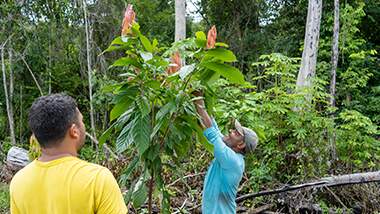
{"x": 152, "y": 152}
{"x": 199, "y": 131}
{"x": 164, "y": 110}
{"x": 146, "y": 43}
{"x": 209, "y": 76}
{"x": 229, "y": 72}
{"x": 125, "y": 92}
{"x": 117, "y": 41}
{"x": 221, "y": 44}
{"x": 123, "y": 100}
{"x": 126, "y": 61}
{"x": 153, "y": 84}
{"x": 124, "y": 118}
{"x": 146, "y": 56}
{"x": 221, "y": 54}
{"x": 157, "y": 127}
{"x": 116, "y": 44}
{"x": 106, "y": 134}
{"x": 182, "y": 147}
{"x": 186, "y": 70}
{"x": 120, "y": 108}
{"x": 141, "y": 132}
{"x": 140, "y": 193}
{"x": 154, "y": 43}
{"x": 143, "y": 105}
{"x": 114, "y": 48}
{"x": 200, "y": 35}
{"x": 201, "y": 39}
{"x": 111, "y": 88}
{"x": 125, "y": 137}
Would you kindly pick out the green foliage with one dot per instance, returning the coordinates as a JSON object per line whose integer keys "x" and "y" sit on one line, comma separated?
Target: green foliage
{"x": 358, "y": 149}
{"x": 357, "y": 73}
{"x": 291, "y": 142}
{"x": 294, "y": 145}
{"x": 4, "y": 198}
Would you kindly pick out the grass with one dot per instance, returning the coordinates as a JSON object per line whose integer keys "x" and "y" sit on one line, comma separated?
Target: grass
{"x": 4, "y": 198}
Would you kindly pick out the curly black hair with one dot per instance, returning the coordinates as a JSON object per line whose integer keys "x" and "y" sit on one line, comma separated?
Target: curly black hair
{"x": 50, "y": 117}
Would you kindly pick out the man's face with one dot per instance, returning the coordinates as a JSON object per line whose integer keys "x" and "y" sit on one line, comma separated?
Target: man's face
{"x": 82, "y": 130}
{"x": 234, "y": 140}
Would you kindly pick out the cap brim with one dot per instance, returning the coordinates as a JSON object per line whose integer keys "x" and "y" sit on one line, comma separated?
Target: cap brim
{"x": 239, "y": 128}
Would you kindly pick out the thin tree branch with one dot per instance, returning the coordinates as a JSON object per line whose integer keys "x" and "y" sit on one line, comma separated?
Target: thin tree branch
{"x": 34, "y": 77}
{"x": 187, "y": 176}
{"x": 104, "y": 145}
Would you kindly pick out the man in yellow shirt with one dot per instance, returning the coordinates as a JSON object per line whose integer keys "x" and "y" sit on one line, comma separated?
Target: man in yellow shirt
{"x": 58, "y": 182}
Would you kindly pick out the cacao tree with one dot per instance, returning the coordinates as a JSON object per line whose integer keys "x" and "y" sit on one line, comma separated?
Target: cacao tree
{"x": 153, "y": 116}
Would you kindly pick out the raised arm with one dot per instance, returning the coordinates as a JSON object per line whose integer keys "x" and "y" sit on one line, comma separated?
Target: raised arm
{"x": 223, "y": 154}
{"x": 201, "y": 109}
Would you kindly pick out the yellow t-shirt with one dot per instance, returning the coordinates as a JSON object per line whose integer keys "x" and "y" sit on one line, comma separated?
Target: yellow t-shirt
{"x": 66, "y": 185}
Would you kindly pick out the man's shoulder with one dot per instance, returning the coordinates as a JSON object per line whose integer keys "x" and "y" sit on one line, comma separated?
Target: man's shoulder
{"x": 77, "y": 167}
{"x": 21, "y": 174}
{"x": 91, "y": 169}
{"x": 89, "y": 165}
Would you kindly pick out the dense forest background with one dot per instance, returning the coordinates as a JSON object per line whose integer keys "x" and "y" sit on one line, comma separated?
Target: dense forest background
{"x": 58, "y": 46}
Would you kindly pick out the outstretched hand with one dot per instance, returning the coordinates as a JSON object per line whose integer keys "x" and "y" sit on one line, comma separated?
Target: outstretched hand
{"x": 201, "y": 108}
{"x": 199, "y": 102}
{"x": 198, "y": 93}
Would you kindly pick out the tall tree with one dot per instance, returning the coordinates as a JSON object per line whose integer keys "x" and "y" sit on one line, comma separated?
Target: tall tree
{"x": 310, "y": 49}
{"x": 7, "y": 99}
{"x": 335, "y": 52}
{"x": 180, "y": 20}
{"x": 89, "y": 69}
{"x": 334, "y": 62}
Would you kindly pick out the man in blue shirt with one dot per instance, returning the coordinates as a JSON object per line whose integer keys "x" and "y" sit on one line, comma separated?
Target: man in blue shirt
{"x": 226, "y": 170}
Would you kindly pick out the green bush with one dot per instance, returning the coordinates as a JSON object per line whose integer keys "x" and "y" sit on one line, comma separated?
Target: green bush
{"x": 295, "y": 132}
{"x": 4, "y": 198}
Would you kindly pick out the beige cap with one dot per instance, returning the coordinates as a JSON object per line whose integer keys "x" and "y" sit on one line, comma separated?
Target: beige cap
{"x": 250, "y": 137}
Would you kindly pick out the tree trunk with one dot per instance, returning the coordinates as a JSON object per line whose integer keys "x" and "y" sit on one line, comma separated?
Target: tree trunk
{"x": 11, "y": 78}
{"x": 180, "y": 20}
{"x": 310, "y": 50}
{"x": 49, "y": 62}
{"x": 7, "y": 99}
{"x": 89, "y": 70}
{"x": 335, "y": 52}
{"x": 334, "y": 62}
{"x": 150, "y": 194}
{"x": 11, "y": 93}
{"x": 20, "y": 117}
{"x": 32, "y": 74}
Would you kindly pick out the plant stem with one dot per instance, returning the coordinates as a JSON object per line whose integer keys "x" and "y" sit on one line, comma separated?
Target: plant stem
{"x": 150, "y": 194}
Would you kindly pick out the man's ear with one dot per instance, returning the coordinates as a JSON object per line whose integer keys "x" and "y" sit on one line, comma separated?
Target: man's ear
{"x": 74, "y": 131}
{"x": 241, "y": 145}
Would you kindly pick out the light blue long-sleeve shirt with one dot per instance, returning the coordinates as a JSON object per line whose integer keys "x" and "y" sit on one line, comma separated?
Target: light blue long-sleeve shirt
{"x": 223, "y": 176}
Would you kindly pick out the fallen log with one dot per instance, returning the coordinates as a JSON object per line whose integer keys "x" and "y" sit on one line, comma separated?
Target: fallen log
{"x": 340, "y": 180}
{"x": 17, "y": 158}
